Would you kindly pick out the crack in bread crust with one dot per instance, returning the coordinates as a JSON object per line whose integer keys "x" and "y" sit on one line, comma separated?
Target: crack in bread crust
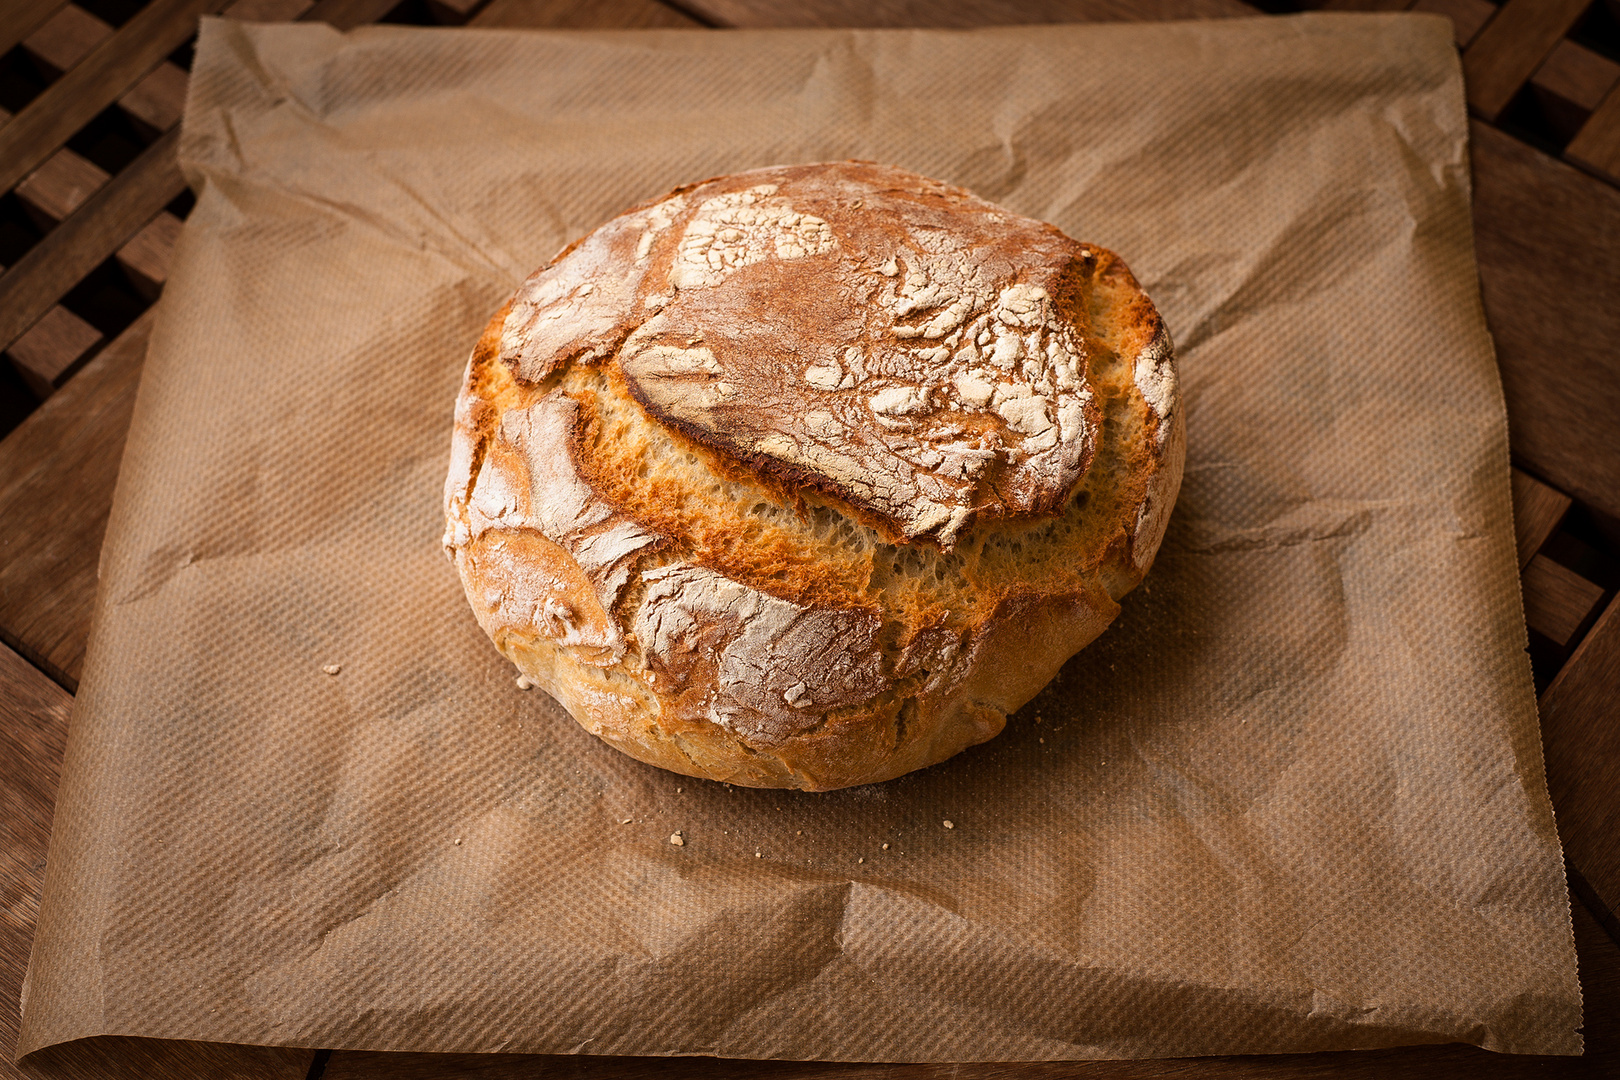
{"x": 725, "y": 605}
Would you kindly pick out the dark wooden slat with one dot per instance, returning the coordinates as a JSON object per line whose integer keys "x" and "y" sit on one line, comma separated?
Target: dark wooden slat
{"x": 55, "y": 343}
{"x": 33, "y": 730}
{"x": 1577, "y": 74}
{"x": 1597, "y": 145}
{"x": 51, "y": 347}
{"x": 158, "y": 100}
{"x": 120, "y": 1058}
{"x": 59, "y": 187}
{"x": 57, "y": 472}
{"x": 19, "y": 18}
{"x": 1557, "y": 600}
{"x": 955, "y": 13}
{"x": 1366, "y": 5}
{"x": 1571, "y": 84}
{"x": 268, "y": 10}
{"x": 347, "y": 14}
{"x": 1580, "y": 728}
{"x": 86, "y": 238}
{"x": 1538, "y": 510}
{"x": 72, "y": 34}
{"x": 63, "y": 184}
{"x": 1467, "y": 17}
{"x": 145, "y": 258}
{"x": 1510, "y": 48}
{"x": 96, "y": 82}
{"x": 66, "y": 38}
{"x": 1548, "y": 240}
{"x": 568, "y": 14}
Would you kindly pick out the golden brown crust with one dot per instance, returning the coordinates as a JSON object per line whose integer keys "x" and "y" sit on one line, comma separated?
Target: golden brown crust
{"x": 726, "y": 606}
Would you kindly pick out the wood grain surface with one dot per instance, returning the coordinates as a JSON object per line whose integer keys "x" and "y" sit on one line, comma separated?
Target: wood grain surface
{"x": 1597, "y": 145}
{"x": 1557, "y": 601}
{"x": 72, "y": 101}
{"x": 1580, "y": 730}
{"x": 1537, "y": 510}
{"x": 571, "y": 15}
{"x": 1468, "y": 17}
{"x": 50, "y": 348}
{"x": 33, "y": 730}
{"x": 1548, "y": 241}
{"x": 1576, "y": 75}
{"x": 1511, "y": 47}
{"x": 19, "y": 18}
{"x": 954, "y": 13}
{"x": 67, "y": 37}
{"x": 123, "y": 1058}
{"x": 57, "y": 474}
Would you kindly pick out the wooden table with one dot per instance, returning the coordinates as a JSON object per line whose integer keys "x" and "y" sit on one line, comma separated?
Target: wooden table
{"x": 96, "y": 202}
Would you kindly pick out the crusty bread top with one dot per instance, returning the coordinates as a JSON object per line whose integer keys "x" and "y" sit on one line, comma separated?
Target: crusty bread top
{"x": 903, "y": 347}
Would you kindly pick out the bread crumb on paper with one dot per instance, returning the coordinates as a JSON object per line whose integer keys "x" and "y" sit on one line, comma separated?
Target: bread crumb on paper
{"x": 332, "y": 669}
{"x": 524, "y": 682}
{"x": 675, "y": 838}
{"x": 950, "y": 824}
{"x": 885, "y": 847}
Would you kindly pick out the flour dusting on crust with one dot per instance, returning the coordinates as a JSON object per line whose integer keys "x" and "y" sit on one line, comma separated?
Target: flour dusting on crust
{"x": 767, "y": 669}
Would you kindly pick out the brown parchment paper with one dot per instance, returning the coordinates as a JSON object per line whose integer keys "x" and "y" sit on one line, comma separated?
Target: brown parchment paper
{"x": 1293, "y": 800}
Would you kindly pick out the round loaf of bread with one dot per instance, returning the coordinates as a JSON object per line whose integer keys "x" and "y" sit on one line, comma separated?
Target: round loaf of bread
{"x": 809, "y": 476}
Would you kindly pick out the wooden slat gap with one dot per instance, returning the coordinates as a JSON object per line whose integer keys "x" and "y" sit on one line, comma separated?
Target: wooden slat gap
{"x": 686, "y": 11}
{"x": 1580, "y": 726}
{"x": 1538, "y": 510}
{"x": 1596, "y": 147}
{"x": 114, "y": 66}
{"x": 61, "y": 678}
{"x": 1583, "y": 891}
{"x": 19, "y": 18}
{"x": 564, "y": 15}
{"x": 1558, "y": 602}
{"x": 348, "y": 14}
{"x": 1467, "y": 17}
{"x": 58, "y": 470}
{"x": 86, "y": 238}
{"x": 53, "y": 349}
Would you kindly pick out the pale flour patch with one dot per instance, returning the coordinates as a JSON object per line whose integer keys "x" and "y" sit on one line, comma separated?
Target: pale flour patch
{"x": 742, "y": 228}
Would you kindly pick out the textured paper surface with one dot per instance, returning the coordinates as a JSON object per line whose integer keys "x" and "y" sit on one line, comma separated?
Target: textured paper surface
{"x": 1293, "y": 800}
